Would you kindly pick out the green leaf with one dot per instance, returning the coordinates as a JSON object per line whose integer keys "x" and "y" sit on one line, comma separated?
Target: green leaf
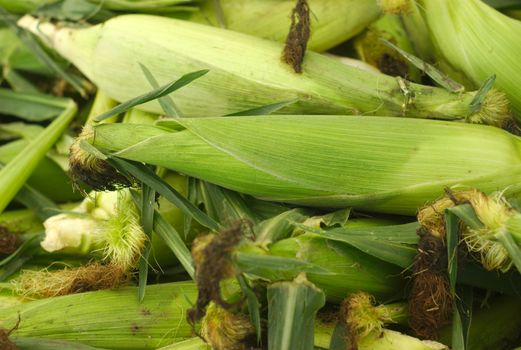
{"x": 33, "y": 107}
{"x": 466, "y": 213}
{"x": 147, "y": 176}
{"x": 148, "y": 196}
{"x": 452, "y": 237}
{"x": 174, "y": 241}
{"x": 479, "y": 98}
{"x": 275, "y": 268}
{"x": 16, "y": 172}
{"x": 264, "y": 110}
{"x": 223, "y": 205}
{"x": 253, "y": 306}
{"x": 462, "y": 317}
{"x": 439, "y": 77}
{"x": 279, "y": 227}
{"x": 152, "y": 95}
{"x": 166, "y": 102}
{"x": 506, "y": 239}
{"x": 292, "y": 308}
{"x": 33, "y": 199}
{"x": 17, "y": 82}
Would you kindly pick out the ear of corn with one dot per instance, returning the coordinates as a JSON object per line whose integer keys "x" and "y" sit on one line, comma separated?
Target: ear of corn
{"x": 332, "y": 21}
{"x": 108, "y": 319}
{"x": 478, "y": 41}
{"x": 336, "y": 268}
{"x": 245, "y": 72}
{"x": 377, "y": 164}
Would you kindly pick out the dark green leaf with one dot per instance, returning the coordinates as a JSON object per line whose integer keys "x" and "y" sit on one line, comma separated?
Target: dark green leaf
{"x": 148, "y": 196}
{"x": 452, "y": 232}
{"x": 152, "y": 95}
{"x": 253, "y": 305}
{"x": 147, "y": 176}
{"x": 174, "y": 241}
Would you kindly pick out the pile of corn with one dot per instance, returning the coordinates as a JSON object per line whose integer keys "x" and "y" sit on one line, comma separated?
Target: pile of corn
{"x": 260, "y": 174}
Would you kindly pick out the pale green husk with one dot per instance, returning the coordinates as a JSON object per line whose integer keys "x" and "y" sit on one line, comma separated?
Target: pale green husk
{"x": 109, "y": 319}
{"x": 391, "y": 165}
{"x": 245, "y": 72}
{"x": 332, "y": 21}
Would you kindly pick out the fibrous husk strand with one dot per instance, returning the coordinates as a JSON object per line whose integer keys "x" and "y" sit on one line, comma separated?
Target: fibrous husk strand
{"x": 430, "y": 299}
{"x": 46, "y": 284}
{"x": 225, "y": 330}
{"x": 298, "y": 36}
{"x": 91, "y": 170}
{"x": 212, "y": 259}
{"x": 9, "y": 241}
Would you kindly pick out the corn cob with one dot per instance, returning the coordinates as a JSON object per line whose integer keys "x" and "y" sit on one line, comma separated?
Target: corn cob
{"x": 245, "y": 73}
{"x": 109, "y": 319}
{"x": 478, "y": 41}
{"x": 332, "y": 21}
{"x": 372, "y": 163}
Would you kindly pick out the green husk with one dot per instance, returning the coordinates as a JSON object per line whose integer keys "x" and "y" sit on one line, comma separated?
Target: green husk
{"x": 478, "y": 41}
{"x": 110, "y": 319}
{"x": 245, "y": 73}
{"x": 371, "y": 163}
{"x": 332, "y": 21}
{"x": 336, "y": 268}
{"x": 292, "y": 308}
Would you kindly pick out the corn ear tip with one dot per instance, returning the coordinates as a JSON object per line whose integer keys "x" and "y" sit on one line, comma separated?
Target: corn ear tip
{"x": 124, "y": 238}
{"x": 360, "y": 315}
{"x": 494, "y": 110}
{"x": 89, "y": 169}
{"x": 223, "y": 329}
